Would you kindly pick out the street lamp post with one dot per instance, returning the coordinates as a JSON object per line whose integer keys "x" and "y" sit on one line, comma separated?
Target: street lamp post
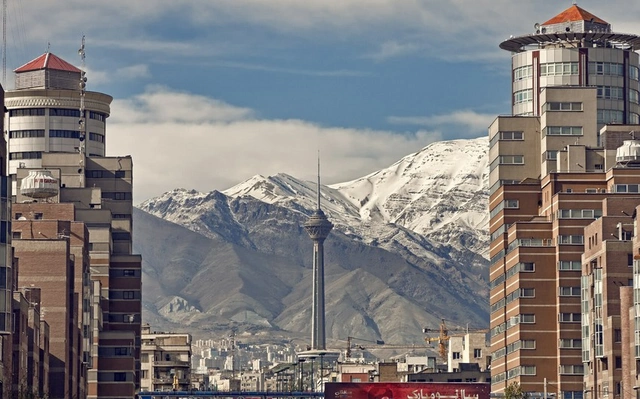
{"x": 301, "y": 363}
{"x": 313, "y": 387}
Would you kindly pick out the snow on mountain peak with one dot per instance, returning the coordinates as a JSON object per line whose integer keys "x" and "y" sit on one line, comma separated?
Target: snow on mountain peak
{"x": 438, "y": 192}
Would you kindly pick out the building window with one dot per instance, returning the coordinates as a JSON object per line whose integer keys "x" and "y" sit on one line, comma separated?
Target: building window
{"x": 456, "y": 355}
{"x": 571, "y": 343}
{"x": 610, "y": 92}
{"x": 569, "y": 317}
{"x": 119, "y": 173}
{"x": 633, "y": 96}
{"x": 64, "y": 134}
{"x": 512, "y": 136}
{"x": 606, "y": 68}
{"x": 634, "y": 119}
{"x": 562, "y": 106}
{"x": 129, "y": 273}
{"x": 25, "y": 134}
{"x": 633, "y": 72}
{"x": 26, "y": 155}
{"x": 119, "y": 376}
{"x": 527, "y": 267}
{"x": 64, "y": 112}
{"x": 506, "y": 136}
{"x": 123, "y": 351}
{"x": 617, "y": 335}
{"x": 572, "y": 239}
{"x": 579, "y": 213}
{"x": 121, "y": 236}
{"x": 511, "y": 159}
{"x": 626, "y": 188}
{"x": 16, "y": 235}
{"x": 572, "y": 369}
{"x": 96, "y": 137}
{"x": 117, "y": 195}
{"x": 27, "y": 112}
{"x": 558, "y": 68}
{"x": 572, "y": 265}
{"x": 95, "y": 174}
{"x": 550, "y": 155}
{"x": 609, "y": 116}
{"x": 37, "y": 215}
{"x": 97, "y": 116}
{"x": 128, "y": 295}
{"x": 511, "y": 204}
{"x": 523, "y": 96}
{"x": 523, "y": 72}
{"x": 527, "y": 318}
{"x": 563, "y": 130}
{"x": 477, "y": 353}
{"x": 569, "y": 291}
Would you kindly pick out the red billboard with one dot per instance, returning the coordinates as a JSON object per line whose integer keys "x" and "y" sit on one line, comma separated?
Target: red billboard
{"x": 407, "y": 390}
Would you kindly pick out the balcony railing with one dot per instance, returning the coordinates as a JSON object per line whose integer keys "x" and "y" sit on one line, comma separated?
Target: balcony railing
{"x": 171, "y": 363}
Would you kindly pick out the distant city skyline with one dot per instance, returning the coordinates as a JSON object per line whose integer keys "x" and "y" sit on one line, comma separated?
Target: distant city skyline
{"x": 242, "y": 83}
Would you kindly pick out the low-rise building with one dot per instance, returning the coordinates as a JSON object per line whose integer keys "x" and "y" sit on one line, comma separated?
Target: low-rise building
{"x": 165, "y": 361}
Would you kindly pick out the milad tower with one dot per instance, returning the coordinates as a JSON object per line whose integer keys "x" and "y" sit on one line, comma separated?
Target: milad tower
{"x": 318, "y": 227}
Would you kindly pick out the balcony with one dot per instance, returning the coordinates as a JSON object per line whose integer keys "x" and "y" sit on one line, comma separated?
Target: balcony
{"x": 171, "y": 363}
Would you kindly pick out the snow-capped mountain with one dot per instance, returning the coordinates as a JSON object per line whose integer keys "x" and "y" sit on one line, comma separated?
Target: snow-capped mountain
{"x": 428, "y": 212}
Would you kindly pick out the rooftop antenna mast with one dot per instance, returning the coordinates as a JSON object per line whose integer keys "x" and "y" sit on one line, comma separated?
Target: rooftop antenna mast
{"x": 82, "y": 125}
{"x": 4, "y": 43}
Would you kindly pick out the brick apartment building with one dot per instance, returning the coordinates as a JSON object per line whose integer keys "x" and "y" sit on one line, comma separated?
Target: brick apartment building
{"x": 71, "y": 281}
{"x": 564, "y": 174}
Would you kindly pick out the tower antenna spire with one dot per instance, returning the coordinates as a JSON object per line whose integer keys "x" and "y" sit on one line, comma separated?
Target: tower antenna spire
{"x": 318, "y": 193}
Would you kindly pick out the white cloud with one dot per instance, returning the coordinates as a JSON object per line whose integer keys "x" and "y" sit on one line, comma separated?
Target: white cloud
{"x": 133, "y": 72}
{"x": 474, "y": 121}
{"x": 161, "y": 105}
{"x": 179, "y": 139}
{"x": 392, "y": 49}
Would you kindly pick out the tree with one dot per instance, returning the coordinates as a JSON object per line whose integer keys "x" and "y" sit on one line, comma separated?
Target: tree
{"x": 514, "y": 391}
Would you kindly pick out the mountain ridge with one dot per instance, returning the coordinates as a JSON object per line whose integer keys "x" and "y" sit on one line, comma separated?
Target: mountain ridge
{"x": 416, "y": 231}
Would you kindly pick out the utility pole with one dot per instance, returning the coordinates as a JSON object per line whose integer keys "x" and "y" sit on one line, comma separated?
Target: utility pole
{"x": 233, "y": 354}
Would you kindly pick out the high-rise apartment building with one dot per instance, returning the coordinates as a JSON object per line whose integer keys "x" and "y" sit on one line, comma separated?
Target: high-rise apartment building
{"x": 563, "y": 170}
{"x": 61, "y": 179}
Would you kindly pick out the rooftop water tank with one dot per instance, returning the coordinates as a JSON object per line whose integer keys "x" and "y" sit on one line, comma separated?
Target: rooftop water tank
{"x": 629, "y": 153}
{"x": 39, "y": 184}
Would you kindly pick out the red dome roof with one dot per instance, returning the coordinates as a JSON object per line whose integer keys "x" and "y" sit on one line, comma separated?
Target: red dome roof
{"x": 47, "y": 61}
{"x": 574, "y": 13}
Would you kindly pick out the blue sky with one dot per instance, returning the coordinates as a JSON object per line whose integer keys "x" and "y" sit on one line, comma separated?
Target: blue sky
{"x": 210, "y": 93}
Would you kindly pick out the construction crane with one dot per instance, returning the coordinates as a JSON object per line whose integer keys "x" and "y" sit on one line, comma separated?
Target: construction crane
{"x": 443, "y": 336}
{"x": 377, "y": 344}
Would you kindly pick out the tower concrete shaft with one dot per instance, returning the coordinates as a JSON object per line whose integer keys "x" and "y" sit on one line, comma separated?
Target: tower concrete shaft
{"x": 318, "y": 228}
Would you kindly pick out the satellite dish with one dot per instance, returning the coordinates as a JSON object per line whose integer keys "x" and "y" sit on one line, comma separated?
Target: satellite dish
{"x": 536, "y": 26}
